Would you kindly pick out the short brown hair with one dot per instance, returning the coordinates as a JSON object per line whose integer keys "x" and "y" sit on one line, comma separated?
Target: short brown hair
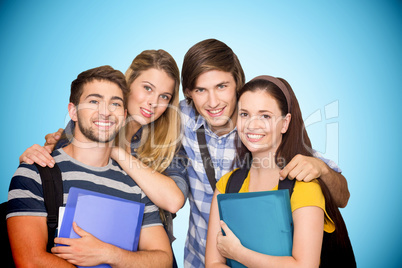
{"x": 105, "y": 73}
{"x": 209, "y": 55}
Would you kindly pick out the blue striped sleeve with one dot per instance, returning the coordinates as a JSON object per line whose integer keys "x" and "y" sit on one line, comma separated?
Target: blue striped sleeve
{"x": 151, "y": 213}
{"x": 25, "y": 196}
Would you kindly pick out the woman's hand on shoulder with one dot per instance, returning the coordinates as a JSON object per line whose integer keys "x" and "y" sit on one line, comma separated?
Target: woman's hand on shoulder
{"x": 38, "y": 154}
{"x": 41, "y": 154}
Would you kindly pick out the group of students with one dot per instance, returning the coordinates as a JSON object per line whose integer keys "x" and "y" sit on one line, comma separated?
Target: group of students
{"x": 131, "y": 137}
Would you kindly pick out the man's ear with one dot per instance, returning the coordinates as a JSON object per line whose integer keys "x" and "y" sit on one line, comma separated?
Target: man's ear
{"x": 72, "y": 111}
{"x": 286, "y": 123}
{"x": 187, "y": 93}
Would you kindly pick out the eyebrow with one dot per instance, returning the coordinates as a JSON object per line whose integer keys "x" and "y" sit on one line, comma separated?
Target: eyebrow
{"x": 152, "y": 85}
{"x": 99, "y": 96}
{"x": 94, "y": 95}
{"x": 259, "y": 111}
{"x": 220, "y": 83}
{"x": 117, "y": 98}
{"x": 147, "y": 82}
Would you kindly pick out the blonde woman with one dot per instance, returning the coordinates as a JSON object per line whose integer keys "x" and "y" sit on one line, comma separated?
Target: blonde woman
{"x": 149, "y": 141}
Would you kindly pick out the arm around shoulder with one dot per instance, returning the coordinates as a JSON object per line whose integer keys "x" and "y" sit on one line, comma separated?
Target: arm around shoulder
{"x": 308, "y": 168}
{"x": 161, "y": 189}
{"x": 337, "y": 185}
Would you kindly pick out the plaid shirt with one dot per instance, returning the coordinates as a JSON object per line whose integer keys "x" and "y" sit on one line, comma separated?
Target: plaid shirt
{"x": 222, "y": 150}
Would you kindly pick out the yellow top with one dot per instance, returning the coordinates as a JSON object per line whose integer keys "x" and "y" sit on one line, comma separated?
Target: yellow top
{"x": 304, "y": 194}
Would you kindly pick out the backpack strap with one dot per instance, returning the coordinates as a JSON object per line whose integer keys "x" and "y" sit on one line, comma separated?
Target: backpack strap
{"x": 206, "y": 157}
{"x": 287, "y": 184}
{"x": 238, "y": 176}
{"x": 236, "y": 180}
{"x": 52, "y": 185}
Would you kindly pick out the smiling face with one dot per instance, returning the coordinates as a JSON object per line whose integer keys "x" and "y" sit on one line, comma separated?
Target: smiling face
{"x": 150, "y": 94}
{"x": 214, "y": 97}
{"x": 260, "y": 123}
{"x": 100, "y": 113}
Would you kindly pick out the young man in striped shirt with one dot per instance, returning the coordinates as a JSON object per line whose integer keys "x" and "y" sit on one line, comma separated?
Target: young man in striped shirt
{"x": 98, "y": 106}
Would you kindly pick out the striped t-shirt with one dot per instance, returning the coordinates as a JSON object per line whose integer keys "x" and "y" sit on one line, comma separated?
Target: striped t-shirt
{"x": 25, "y": 196}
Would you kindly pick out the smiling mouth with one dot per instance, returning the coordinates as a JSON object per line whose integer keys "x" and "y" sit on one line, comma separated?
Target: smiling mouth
{"x": 104, "y": 124}
{"x": 254, "y": 137}
{"x": 146, "y": 113}
{"x": 216, "y": 112}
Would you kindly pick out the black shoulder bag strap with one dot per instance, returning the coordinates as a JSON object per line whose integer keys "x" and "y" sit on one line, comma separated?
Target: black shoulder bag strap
{"x": 236, "y": 180}
{"x": 52, "y": 184}
{"x": 333, "y": 253}
{"x": 287, "y": 184}
{"x": 238, "y": 176}
{"x": 206, "y": 157}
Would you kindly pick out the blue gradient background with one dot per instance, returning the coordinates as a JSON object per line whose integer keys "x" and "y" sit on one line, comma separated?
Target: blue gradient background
{"x": 342, "y": 58}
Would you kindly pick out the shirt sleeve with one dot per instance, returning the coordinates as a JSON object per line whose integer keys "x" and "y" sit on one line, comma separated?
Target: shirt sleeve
{"x": 177, "y": 171}
{"x": 329, "y": 162}
{"x": 25, "y": 195}
{"x": 309, "y": 194}
{"x": 151, "y": 213}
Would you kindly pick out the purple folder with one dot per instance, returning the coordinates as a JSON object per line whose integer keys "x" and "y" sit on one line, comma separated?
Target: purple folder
{"x": 113, "y": 220}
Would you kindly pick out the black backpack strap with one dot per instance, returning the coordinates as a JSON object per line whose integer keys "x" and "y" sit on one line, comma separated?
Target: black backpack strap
{"x": 236, "y": 180}
{"x": 52, "y": 185}
{"x": 6, "y": 256}
{"x": 206, "y": 157}
{"x": 333, "y": 253}
{"x": 238, "y": 176}
{"x": 287, "y": 184}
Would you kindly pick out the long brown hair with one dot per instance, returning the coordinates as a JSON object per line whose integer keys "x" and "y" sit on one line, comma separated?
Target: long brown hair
{"x": 294, "y": 141}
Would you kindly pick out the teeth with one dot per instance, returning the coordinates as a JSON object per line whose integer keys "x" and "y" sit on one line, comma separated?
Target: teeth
{"x": 255, "y": 136}
{"x": 145, "y": 111}
{"x": 103, "y": 124}
{"x": 215, "y": 111}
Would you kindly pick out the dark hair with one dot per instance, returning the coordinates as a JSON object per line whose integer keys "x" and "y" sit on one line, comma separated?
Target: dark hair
{"x": 208, "y": 55}
{"x": 102, "y": 73}
{"x": 294, "y": 141}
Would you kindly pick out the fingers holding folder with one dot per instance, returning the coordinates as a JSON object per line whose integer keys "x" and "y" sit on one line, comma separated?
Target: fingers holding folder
{"x": 227, "y": 244}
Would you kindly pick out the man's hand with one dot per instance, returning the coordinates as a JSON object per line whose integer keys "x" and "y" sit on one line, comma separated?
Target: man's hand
{"x": 84, "y": 251}
{"x": 304, "y": 168}
{"x": 307, "y": 168}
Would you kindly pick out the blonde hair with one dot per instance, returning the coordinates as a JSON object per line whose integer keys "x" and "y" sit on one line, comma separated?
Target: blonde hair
{"x": 160, "y": 138}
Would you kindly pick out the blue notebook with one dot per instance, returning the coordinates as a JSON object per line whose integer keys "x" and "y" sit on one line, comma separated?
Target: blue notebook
{"x": 114, "y": 220}
{"x": 261, "y": 220}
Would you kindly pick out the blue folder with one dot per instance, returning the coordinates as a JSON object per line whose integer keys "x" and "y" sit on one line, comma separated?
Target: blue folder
{"x": 113, "y": 220}
{"x": 261, "y": 220}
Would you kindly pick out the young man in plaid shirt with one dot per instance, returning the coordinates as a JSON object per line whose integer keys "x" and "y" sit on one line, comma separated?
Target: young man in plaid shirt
{"x": 211, "y": 78}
